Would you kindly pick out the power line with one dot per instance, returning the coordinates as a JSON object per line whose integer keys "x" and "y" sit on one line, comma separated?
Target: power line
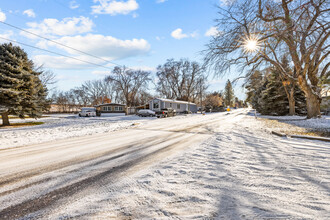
{"x": 45, "y": 38}
{"x": 59, "y": 54}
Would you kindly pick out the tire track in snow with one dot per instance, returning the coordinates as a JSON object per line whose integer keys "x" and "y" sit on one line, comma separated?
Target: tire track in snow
{"x": 49, "y": 199}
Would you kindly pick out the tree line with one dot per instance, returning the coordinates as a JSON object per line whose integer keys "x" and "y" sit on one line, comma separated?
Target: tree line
{"x": 23, "y": 85}
{"x": 182, "y": 80}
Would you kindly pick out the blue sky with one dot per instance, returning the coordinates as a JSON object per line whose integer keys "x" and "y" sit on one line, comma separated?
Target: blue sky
{"x": 136, "y": 33}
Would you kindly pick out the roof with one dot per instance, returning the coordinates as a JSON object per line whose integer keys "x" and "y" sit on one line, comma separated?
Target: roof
{"x": 107, "y": 104}
{"x": 175, "y": 101}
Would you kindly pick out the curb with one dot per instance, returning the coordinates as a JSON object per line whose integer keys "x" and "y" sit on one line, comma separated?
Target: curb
{"x": 278, "y": 134}
{"x": 311, "y": 138}
{"x": 301, "y": 136}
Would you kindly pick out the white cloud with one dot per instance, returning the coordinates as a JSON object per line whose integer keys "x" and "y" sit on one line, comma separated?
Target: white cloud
{"x": 7, "y": 35}
{"x": 57, "y": 62}
{"x": 2, "y": 16}
{"x": 161, "y": 1}
{"x": 106, "y": 47}
{"x": 51, "y": 27}
{"x": 74, "y": 4}
{"x": 178, "y": 34}
{"x": 101, "y": 72}
{"x": 227, "y": 2}
{"x": 30, "y": 13}
{"x": 114, "y": 7}
{"x": 144, "y": 68}
{"x": 212, "y": 32}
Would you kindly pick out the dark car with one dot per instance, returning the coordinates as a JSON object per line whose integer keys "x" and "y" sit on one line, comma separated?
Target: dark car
{"x": 166, "y": 112}
{"x": 146, "y": 113}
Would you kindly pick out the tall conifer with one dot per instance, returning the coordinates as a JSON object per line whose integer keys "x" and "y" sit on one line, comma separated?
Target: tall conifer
{"x": 21, "y": 91}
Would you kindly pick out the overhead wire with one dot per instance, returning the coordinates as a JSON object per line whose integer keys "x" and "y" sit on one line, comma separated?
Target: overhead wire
{"x": 63, "y": 45}
{"x": 49, "y": 51}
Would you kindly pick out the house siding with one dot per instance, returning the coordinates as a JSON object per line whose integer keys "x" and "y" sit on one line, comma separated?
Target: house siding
{"x": 111, "y": 108}
{"x": 179, "y": 107}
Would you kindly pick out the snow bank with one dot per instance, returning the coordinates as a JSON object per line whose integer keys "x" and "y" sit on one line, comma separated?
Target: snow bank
{"x": 62, "y": 126}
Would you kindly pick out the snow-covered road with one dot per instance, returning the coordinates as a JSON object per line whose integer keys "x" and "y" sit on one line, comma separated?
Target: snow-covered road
{"x": 220, "y": 165}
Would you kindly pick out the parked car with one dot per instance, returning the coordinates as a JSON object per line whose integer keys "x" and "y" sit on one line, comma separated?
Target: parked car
{"x": 87, "y": 112}
{"x": 146, "y": 113}
{"x": 166, "y": 112}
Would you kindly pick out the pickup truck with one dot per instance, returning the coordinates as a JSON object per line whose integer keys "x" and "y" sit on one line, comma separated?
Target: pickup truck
{"x": 166, "y": 112}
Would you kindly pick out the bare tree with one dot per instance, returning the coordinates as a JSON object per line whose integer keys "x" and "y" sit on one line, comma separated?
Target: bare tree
{"x": 98, "y": 91}
{"x": 183, "y": 80}
{"x": 47, "y": 77}
{"x": 129, "y": 83}
{"x": 256, "y": 35}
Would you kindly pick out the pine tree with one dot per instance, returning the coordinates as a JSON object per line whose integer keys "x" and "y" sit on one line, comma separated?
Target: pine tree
{"x": 21, "y": 90}
{"x": 254, "y": 82}
{"x": 229, "y": 94}
{"x": 274, "y": 101}
{"x": 273, "y": 98}
{"x": 299, "y": 96}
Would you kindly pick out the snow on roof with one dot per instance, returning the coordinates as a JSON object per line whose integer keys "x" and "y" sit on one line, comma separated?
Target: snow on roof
{"x": 108, "y": 104}
{"x": 175, "y": 101}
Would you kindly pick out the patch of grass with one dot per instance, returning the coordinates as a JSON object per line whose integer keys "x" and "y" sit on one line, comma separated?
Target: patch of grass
{"x": 290, "y": 129}
{"x": 17, "y": 125}
{"x": 16, "y": 117}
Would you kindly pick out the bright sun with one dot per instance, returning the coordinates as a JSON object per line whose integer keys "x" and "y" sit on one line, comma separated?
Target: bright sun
{"x": 251, "y": 43}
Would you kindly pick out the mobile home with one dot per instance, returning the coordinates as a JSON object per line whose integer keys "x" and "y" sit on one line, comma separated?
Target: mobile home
{"x": 180, "y": 106}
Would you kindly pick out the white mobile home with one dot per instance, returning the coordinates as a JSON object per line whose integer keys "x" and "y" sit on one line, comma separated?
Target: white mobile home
{"x": 180, "y": 106}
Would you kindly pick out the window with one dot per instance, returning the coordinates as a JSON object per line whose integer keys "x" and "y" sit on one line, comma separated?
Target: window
{"x": 120, "y": 108}
{"x": 170, "y": 105}
{"x": 107, "y": 108}
{"x": 116, "y": 108}
{"x": 178, "y": 106}
{"x": 156, "y": 104}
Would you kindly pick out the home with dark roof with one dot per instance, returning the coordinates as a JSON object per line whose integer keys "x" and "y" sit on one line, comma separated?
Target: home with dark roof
{"x": 110, "y": 108}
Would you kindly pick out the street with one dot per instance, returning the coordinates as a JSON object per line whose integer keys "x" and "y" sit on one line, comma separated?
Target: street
{"x": 220, "y": 165}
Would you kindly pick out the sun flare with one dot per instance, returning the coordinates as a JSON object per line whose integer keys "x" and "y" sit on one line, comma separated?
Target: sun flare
{"x": 251, "y": 44}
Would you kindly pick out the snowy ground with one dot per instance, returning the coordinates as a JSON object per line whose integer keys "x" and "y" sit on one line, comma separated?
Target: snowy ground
{"x": 60, "y": 126}
{"x": 217, "y": 166}
{"x": 298, "y": 124}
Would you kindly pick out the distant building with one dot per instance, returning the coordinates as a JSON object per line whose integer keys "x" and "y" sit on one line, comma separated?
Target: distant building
{"x": 64, "y": 108}
{"x": 180, "y": 106}
{"x": 110, "y": 108}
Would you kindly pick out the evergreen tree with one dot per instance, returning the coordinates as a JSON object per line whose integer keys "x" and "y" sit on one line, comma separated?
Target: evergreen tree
{"x": 21, "y": 90}
{"x": 229, "y": 94}
{"x": 252, "y": 86}
{"x": 273, "y": 99}
{"x": 299, "y": 96}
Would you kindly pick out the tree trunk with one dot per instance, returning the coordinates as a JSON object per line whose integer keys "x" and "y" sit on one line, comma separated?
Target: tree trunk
{"x": 292, "y": 102}
{"x": 313, "y": 105}
{"x": 313, "y": 101}
{"x": 5, "y": 119}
